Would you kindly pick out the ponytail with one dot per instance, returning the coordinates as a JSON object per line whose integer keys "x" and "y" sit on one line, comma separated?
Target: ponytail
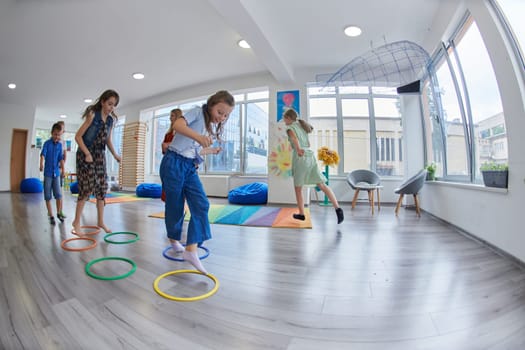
{"x": 305, "y": 125}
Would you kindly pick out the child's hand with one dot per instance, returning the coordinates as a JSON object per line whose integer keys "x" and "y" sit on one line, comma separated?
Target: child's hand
{"x": 118, "y": 158}
{"x": 216, "y": 150}
{"x": 89, "y": 158}
{"x": 41, "y": 168}
{"x": 300, "y": 152}
{"x": 205, "y": 141}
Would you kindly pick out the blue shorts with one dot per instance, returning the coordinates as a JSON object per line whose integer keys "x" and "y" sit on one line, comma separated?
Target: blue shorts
{"x": 52, "y": 184}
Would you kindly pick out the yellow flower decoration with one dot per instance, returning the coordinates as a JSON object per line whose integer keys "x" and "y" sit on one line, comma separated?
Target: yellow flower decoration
{"x": 327, "y": 156}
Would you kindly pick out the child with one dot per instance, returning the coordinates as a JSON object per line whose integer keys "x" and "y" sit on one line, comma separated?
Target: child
{"x": 64, "y": 149}
{"x": 180, "y": 180}
{"x": 304, "y": 165}
{"x": 54, "y": 167}
{"x": 168, "y": 137}
{"x": 92, "y": 137}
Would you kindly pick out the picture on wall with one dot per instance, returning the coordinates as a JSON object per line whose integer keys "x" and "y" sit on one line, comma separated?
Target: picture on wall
{"x": 285, "y": 100}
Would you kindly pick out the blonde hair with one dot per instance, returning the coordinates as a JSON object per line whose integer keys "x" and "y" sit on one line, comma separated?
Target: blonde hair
{"x": 178, "y": 114}
{"x": 290, "y": 113}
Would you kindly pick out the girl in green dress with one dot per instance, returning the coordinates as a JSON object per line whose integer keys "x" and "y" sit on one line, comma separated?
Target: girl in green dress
{"x": 304, "y": 164}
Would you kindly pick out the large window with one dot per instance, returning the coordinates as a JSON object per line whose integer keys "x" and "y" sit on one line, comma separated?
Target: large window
{"x": 464, "y": 120}
{"x": 245, "y": 138}
{"x": 512, "y": 13}
{"x": 370, "y": 120}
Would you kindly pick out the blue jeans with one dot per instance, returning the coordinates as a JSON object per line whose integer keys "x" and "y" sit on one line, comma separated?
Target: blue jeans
{"x": 52, "y": 184}
{"x": 180, "y": 181}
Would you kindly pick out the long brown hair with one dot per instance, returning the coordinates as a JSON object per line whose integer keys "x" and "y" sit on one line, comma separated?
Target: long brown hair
{"x": 178, "y": 114}
{"x": 218, "y": 97}
{"x": 97, "y": 106}
{"x": 292, "y": 114}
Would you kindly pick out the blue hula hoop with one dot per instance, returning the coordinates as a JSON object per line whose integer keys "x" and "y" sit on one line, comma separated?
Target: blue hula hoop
{"x": 204, "y": 256}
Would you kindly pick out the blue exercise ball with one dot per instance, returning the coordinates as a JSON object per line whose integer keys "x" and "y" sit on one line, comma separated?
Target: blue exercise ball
{"x": 31, "y": 185}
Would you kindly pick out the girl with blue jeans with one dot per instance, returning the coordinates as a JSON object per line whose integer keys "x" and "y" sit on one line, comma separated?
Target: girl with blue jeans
{"x": 195, "y": 130}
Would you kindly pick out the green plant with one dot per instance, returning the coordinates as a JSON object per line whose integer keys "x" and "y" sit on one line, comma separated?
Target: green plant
{"x": 431, "y": 171}
{"x": 493, "y": 166}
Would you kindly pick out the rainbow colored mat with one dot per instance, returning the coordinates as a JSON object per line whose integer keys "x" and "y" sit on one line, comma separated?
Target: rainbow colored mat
{"x": 120, "y": 197}
{"x": 252, "y": 215}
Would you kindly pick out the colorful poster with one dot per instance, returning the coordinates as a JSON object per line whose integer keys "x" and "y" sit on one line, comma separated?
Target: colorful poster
{"x": 285, "y": 100}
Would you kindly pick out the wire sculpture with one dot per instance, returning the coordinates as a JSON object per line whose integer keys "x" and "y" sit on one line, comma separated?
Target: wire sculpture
{"x": 391, "y": 65}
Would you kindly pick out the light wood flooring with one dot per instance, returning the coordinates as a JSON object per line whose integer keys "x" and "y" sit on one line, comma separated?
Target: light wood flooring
{"x": 373, "y": 282}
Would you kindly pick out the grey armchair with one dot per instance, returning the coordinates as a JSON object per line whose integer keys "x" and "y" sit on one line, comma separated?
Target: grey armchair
{"x": 412, "y": 186}
{"x": 365, "y": 180}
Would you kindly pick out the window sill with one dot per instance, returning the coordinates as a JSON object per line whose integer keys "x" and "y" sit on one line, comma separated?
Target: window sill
{"x": 467, "y": 186}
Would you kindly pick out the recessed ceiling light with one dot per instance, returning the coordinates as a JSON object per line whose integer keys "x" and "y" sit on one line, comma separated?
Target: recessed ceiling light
{"x": 88, "y": 100}
{"x": 11, "y": 85}
{"x": 138, "y": 76}
{"x": 353, "y": 31}
{"x": 243, "y": 43}
{"x": 63, "y": 116}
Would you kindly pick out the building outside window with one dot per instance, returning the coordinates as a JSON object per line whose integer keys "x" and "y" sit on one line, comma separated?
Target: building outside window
{"x": 370, "y": 120}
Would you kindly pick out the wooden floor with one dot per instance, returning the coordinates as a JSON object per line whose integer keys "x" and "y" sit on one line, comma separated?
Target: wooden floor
{"x": 374, "y": 282}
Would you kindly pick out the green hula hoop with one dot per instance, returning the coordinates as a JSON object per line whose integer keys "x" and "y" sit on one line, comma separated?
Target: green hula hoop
{"x": 110, "y": 278}
{"x": 106, "y": 237}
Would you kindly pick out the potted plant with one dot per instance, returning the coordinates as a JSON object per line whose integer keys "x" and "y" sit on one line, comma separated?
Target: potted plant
{"x": 495, "y": 174}
{"x": 431, "y": 171}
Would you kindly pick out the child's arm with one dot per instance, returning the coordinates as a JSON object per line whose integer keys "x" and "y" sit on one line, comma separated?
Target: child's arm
{"x": 41, "y": 162}
{"x": 182, "y": 127}
{"x": 210, "y": 150}
{"x": 295, "y": 143}
{"x": 62, "y": 168}
{"x": 78, "y": 137}
{"x": 110, "y": 146}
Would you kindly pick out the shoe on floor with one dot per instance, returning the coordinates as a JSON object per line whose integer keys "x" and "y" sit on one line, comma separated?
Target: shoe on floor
{"x": 61, "y": 217}
{"x": 299, "y": 217}
{"x": 52, "y": 220}
{"x": 340, "y": 215}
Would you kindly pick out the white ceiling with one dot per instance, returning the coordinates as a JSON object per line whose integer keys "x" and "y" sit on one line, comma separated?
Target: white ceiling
{"x": 59, "y": 52}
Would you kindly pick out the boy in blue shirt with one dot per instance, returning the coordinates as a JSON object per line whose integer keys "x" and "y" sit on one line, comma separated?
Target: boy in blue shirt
{"x": 54, "y": 166}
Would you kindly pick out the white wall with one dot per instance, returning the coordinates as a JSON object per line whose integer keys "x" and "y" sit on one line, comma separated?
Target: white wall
{"x": 14, "y": 117}
{"x": 490, "y": 214}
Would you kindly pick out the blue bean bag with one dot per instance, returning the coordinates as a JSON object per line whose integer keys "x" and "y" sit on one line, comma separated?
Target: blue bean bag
{"x": 254, "y": 193}
{"x": 31, "y": 185}
{"x": 73, "y": 187}
{"x": 149, "y": 190}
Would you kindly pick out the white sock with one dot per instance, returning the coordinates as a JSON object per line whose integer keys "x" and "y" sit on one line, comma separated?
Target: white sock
{"x": 193, "y": 258}
{"x": 177, "y": 247}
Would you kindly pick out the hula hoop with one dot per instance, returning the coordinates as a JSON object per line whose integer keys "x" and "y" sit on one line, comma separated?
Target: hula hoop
{"x": 110, "y": 278}
{"x": 204, "y": 256}
{"x": 66, "y": 241}
{"x": 196, "y": 298}
{"x": 121, "y": 233}
{"x": 95, "y": 231}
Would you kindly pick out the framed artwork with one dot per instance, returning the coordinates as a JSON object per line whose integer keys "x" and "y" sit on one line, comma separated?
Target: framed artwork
{"x": 285, "y": 100}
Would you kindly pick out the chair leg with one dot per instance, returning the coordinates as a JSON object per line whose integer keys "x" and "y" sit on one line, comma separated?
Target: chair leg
{"x": 416, "y": 201}
{"x": 371, "y": 196}
{"x": 399, "y": 202}
{"x": 355, "y": 198}
{"x": 378, "y": 201}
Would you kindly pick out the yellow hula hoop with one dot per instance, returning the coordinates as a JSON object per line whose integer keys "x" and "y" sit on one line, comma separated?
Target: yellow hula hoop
{"x": 196, "y": 298}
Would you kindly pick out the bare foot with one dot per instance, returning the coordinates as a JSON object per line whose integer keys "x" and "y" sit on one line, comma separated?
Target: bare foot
{"x": 105, "y": 228}
{"x": 77, "y": 230}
